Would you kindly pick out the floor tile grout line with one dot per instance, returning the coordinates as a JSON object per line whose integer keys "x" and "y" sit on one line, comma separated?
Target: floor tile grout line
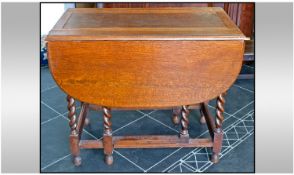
{"x": 215, "y": 108}
{"x": 94, "y": 136}
{"x": 129, "y": 123}
{"x": 239, "y": 121}
{"x": 235, "y": 111}
{"x": 243, "y": 88}
{"x": 243, "y": 137}
{"x": 188, "y": 166}
{"x": 47, "y": 121}
{"x": 187, "y": 155}
{"x": 50, "y": 107}
{"x": 143, "y": 113}
{"x": 129, "y": 160}
{"x": 46, "y": 89}
{"x": 56, "y": 161}
{"x": 248, "y": 66}
{"x": 142, "y": 116}
{"x": 233, "y": 147}
{"x": 242, "y": 108}
{"x": 89, "y": 133}
{"x": 162, "y": 123}
{"x": 62, "y": 115}
{"x": 85, "y": 132}
{"x": 59, "y": 114}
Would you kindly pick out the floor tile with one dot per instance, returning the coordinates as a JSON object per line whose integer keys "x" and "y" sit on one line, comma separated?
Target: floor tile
{"x": 56, "y": 99}
{"x": 47, "y": 113}
{"x": 241, "y": 159}
{"x": 145, "y": 158}
{"x": 119, "y": 119}
{"x": 47, "y": 81}
{"x": 246, "y": 84}
{"x": 54, "y": 141}
{"x": 247, "y": 69}
{"x": 92, "y": 161}
{"x": 236, "y": 98}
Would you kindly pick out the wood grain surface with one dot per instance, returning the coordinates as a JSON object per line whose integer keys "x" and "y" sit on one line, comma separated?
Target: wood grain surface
{"x": 198, "y": 23}
{"x": 145, "y": 74}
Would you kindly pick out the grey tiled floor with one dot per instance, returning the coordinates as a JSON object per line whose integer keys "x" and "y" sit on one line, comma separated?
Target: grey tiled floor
{"x": 238, "y": 145}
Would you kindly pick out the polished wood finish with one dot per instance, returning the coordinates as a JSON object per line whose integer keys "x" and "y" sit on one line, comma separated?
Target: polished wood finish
{"x": 220, "y": 101}
{"x": 145, "y": 24}
{"x": 242, "y": 14}
{"x": 107, "y": 136}
{"x": 218, "y": 132}
{"x": 145, "y": 58}
{"x": 150, "y": 141}
{"x": 74, "y": 136}
{"x": 151, "y": 84}
{"x": 185, "y": 121}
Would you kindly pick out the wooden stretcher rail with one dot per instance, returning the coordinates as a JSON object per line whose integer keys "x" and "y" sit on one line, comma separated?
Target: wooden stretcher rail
{"x": 150, "y": 141}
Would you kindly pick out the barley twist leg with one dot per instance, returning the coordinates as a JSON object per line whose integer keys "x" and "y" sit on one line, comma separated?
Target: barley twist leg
{"x": 185, "y": 121}
{"x": 74, "y": 137}
{"x": 218, "y": 132}
{"x": 107, "y": 136}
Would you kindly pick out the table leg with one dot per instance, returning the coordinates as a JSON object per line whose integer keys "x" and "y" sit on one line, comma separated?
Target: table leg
{"x": 74, "y": 136}
{"x": 87, "y": 120}
{"x": 107, "y": 136}
{"x": 176, "y": 117}
{"x": 218, "y": 132}
{"x": 185, "y": 122}
{"x": 202, "y": 117}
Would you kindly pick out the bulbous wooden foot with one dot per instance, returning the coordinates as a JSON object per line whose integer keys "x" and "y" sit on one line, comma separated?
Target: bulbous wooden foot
{"x": 214, "y": 158}
{"x": 108, "y": 159}
{"x": 202, "y": 118}
{"x": 77, "y": 160}
{"x": 175, "y": 118}
{"x": 87, "y": 121}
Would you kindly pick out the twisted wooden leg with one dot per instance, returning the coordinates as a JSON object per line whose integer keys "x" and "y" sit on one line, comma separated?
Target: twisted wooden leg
{"x": 107, "y": 136}
{"x": 74, "y": 136}
{"x": 185, "y": 122}
{"x": 202, "y": 117}
{"x": 175, "y": 117}
{"x": 218, "y": 132}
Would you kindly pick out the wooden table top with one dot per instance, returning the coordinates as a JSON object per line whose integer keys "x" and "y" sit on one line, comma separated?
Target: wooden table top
{"x": 145, "y": 58}
{"x": 198, "y": 23}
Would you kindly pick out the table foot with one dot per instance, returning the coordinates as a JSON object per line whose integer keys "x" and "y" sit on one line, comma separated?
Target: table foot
{"x": 87, "y": 121}
{"x": 77, "y": 160}
{"x": 202, "y": 117}
{"x": 108, "y": 159}
{"x": 214, "y": 158}
{"x": 175, "y": 117}
{"x": 202, "y": 120}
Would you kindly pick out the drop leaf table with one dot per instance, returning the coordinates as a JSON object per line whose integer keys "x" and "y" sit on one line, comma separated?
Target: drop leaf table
{"x": 145, "y": 59}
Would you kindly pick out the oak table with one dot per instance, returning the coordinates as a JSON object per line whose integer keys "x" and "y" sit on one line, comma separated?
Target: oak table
{"x": 145, "y": 59}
